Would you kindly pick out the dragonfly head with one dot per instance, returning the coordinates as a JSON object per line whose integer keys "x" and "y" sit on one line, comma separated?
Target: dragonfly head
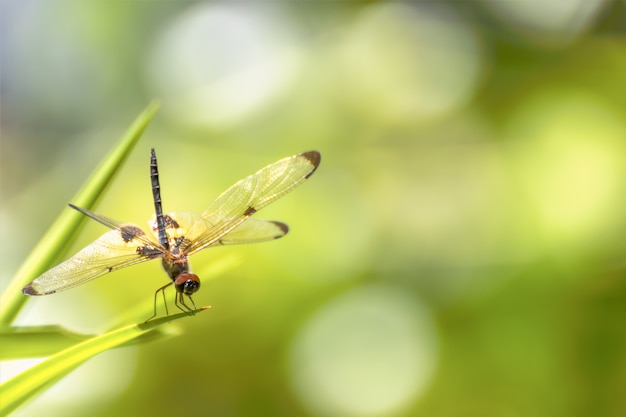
{"x": 187, "y": 283}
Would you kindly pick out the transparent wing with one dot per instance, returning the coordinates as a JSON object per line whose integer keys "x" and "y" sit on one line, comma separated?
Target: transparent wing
{"x": 253, "y": 231}
{"x": 113, "y": 250}
{"x": 126, "y": 229}
{"x": 248, "y": 196}
{"x": 250, "y": 231}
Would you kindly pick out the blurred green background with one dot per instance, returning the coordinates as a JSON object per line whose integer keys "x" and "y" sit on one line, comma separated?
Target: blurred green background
{"x": 460, "y": 251}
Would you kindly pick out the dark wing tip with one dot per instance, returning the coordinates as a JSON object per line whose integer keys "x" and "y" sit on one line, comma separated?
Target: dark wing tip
{"x": 314, "y": 157}
{"x": 29, "y": 290}
{"x": 283, "y": 228}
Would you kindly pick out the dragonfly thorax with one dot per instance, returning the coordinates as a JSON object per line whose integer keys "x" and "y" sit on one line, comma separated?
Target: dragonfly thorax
{"x": 187, "y": 283}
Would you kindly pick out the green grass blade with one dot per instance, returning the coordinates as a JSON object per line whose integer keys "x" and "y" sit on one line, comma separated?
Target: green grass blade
{"x": 43, "y": 341}
{"x": 26, "y": 385}
{"x": 63, "y": 229}
{"x": 37, "y": 341}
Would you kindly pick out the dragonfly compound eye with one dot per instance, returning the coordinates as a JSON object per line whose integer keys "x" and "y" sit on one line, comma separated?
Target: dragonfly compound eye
{"x": 187, "y": 283}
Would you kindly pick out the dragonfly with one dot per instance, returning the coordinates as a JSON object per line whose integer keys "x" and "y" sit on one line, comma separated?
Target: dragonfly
{"x": 174, "y": 237}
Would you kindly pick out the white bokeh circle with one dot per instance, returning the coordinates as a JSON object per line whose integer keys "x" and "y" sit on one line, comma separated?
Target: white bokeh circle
{"x": 219, "y": 63}
{"x": 368, "y": 352}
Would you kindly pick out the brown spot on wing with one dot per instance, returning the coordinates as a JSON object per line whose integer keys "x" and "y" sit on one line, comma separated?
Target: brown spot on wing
{"x": 128, "y": 233}
{"x": 149, "y": 252}
{"x": 29, "y": 290}
{"x": 249, "y": 211}
{"x": 169, "y": 222}
{"x": 314, "y": 158}
{"x": 283, "y": 227}
{"x": 179, "y": 241}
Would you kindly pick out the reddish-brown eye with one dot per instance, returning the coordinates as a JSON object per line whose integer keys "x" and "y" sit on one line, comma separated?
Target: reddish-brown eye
{"x": 187, "y": 283}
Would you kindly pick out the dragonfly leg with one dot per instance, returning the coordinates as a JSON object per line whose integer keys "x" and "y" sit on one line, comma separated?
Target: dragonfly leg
{"x": 162, "y": 291}
{"x": 180, "y": 301}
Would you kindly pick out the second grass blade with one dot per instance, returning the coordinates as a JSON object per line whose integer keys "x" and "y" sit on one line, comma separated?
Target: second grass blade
{"x": 61, "y": 232}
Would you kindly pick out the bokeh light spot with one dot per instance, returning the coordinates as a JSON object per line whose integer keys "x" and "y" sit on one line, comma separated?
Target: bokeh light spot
{"x": 548, "y": 23}
{"x": 220, "y": 63}
{"x": 404, "y": 63}
{"x": 368, "y": 352}
{"x": 570, "y": 172}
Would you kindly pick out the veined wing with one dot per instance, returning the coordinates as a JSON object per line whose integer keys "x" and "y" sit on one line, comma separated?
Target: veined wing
{"x": 113, "y": 250}
{"x": 253, "y": 231}
{"x": 127, "y": 230}
{"x": 250, "y": 195}
{"x": 250, "y": 231}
